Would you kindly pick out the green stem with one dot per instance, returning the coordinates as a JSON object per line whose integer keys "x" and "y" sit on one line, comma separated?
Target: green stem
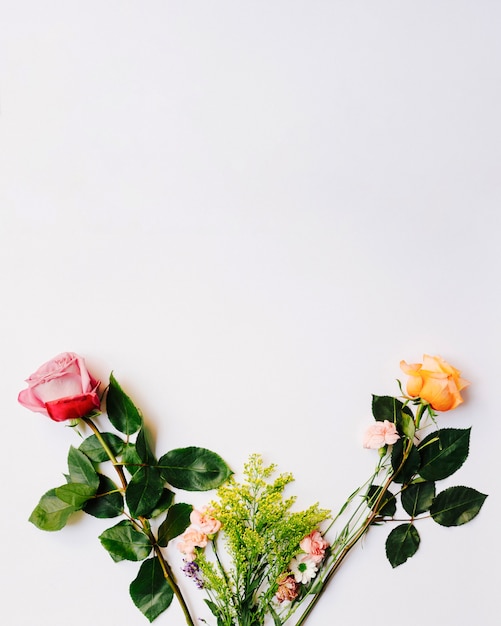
{"x": 107, "y": 449}
{"x": 143, "y": 523}
{"x": 353, "y": 541}
{"x": 169, "y": 577}
{"x": 419, "y": 415}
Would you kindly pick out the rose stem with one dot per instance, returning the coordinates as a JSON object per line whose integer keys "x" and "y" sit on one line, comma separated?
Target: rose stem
{"x": 365, "y": 526}
{"x": 107, "y": 449}
{"x": 163, "y": 563}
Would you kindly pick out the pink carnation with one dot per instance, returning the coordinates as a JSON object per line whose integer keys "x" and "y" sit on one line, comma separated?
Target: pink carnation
{"x": 381, "y": 434}
{"x": 204, "y": 521}
{"x": 314, "y": 545}
{"x": 288, "y": 589}
{"x": 191, "y": 539}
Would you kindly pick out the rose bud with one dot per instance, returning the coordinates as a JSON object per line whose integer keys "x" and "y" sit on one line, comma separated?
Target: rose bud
{"x": 63, "y": 389}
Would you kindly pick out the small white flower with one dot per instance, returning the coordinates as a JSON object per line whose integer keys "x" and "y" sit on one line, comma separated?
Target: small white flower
{"x": 303, "y": 568}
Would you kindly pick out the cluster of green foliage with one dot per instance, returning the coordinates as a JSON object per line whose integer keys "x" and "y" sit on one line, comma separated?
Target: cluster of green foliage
{"x": 416, "y": 467}
{"x": 403, "y": 484}
{"x": 143, "y": 492}
{"x": 261, "y": 535}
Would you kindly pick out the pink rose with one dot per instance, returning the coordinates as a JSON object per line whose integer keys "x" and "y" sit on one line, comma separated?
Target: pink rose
{"x": 191, "y": 539}
{"x": 381, "y": 434}
{"x": 204, "y": 521}
{"x": 314, "y": 545}
{"x": 62, "y": 389}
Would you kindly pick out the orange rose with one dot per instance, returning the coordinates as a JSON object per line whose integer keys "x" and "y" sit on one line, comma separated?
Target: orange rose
{"x": 435, "y": 381}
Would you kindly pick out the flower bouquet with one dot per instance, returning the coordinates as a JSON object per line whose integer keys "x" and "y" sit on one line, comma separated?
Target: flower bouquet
{"x": 257, "y": 559}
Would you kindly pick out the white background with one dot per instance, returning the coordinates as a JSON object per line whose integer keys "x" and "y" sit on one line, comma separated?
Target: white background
{"x": 250, "y": 212}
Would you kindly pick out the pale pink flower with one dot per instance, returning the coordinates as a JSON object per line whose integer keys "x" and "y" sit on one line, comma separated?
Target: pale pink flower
{"x": 204, "y": 521}
{"x": 380, "y": 434}
{"x": 191, "y": 539}
{"x": 303, "y": 568}
{"x": 314, "y": 545}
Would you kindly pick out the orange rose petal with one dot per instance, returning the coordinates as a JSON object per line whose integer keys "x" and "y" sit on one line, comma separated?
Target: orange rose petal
{"x": 414, "y": 386}
{"x": 437, "y": 393}
{"x": 414, "y": 382}
{"x": 410, "y": 368}
{"x": 431, "y": 363}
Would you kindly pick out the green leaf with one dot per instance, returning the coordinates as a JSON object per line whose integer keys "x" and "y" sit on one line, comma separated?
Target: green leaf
{"x": 92, "y": 447}
{"x": 401, "y": 544}
{"x": 406, "y": 424}
{"x": 107, "y": 502}
{"x": 388, "y": 408}
{"x": 51, "y": 513}
{"x": 81, "y": 469}
{"x": 411, "y": 465}
{"x": 150, "y": 592}
{"x": 388, "y": 505}
{"x": 276, "y": 619}
{"x": 214, "y": 609}
{"x": 176, "y": 522}
{"x": 143, "y": 448}
{"x": 144, "y": 491}
{"x": 124, "y": 541}
{"x": 130, "y": 458}
{"x": 443, "y": 452}
{"x": 456, "y": 506}
{"x": 164, "y": 502}
{"x": 194, "y": 469}
{"x": 75, "y": 494}
{"x": 122, "y": 412}
{"x": 418, "y": 498}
